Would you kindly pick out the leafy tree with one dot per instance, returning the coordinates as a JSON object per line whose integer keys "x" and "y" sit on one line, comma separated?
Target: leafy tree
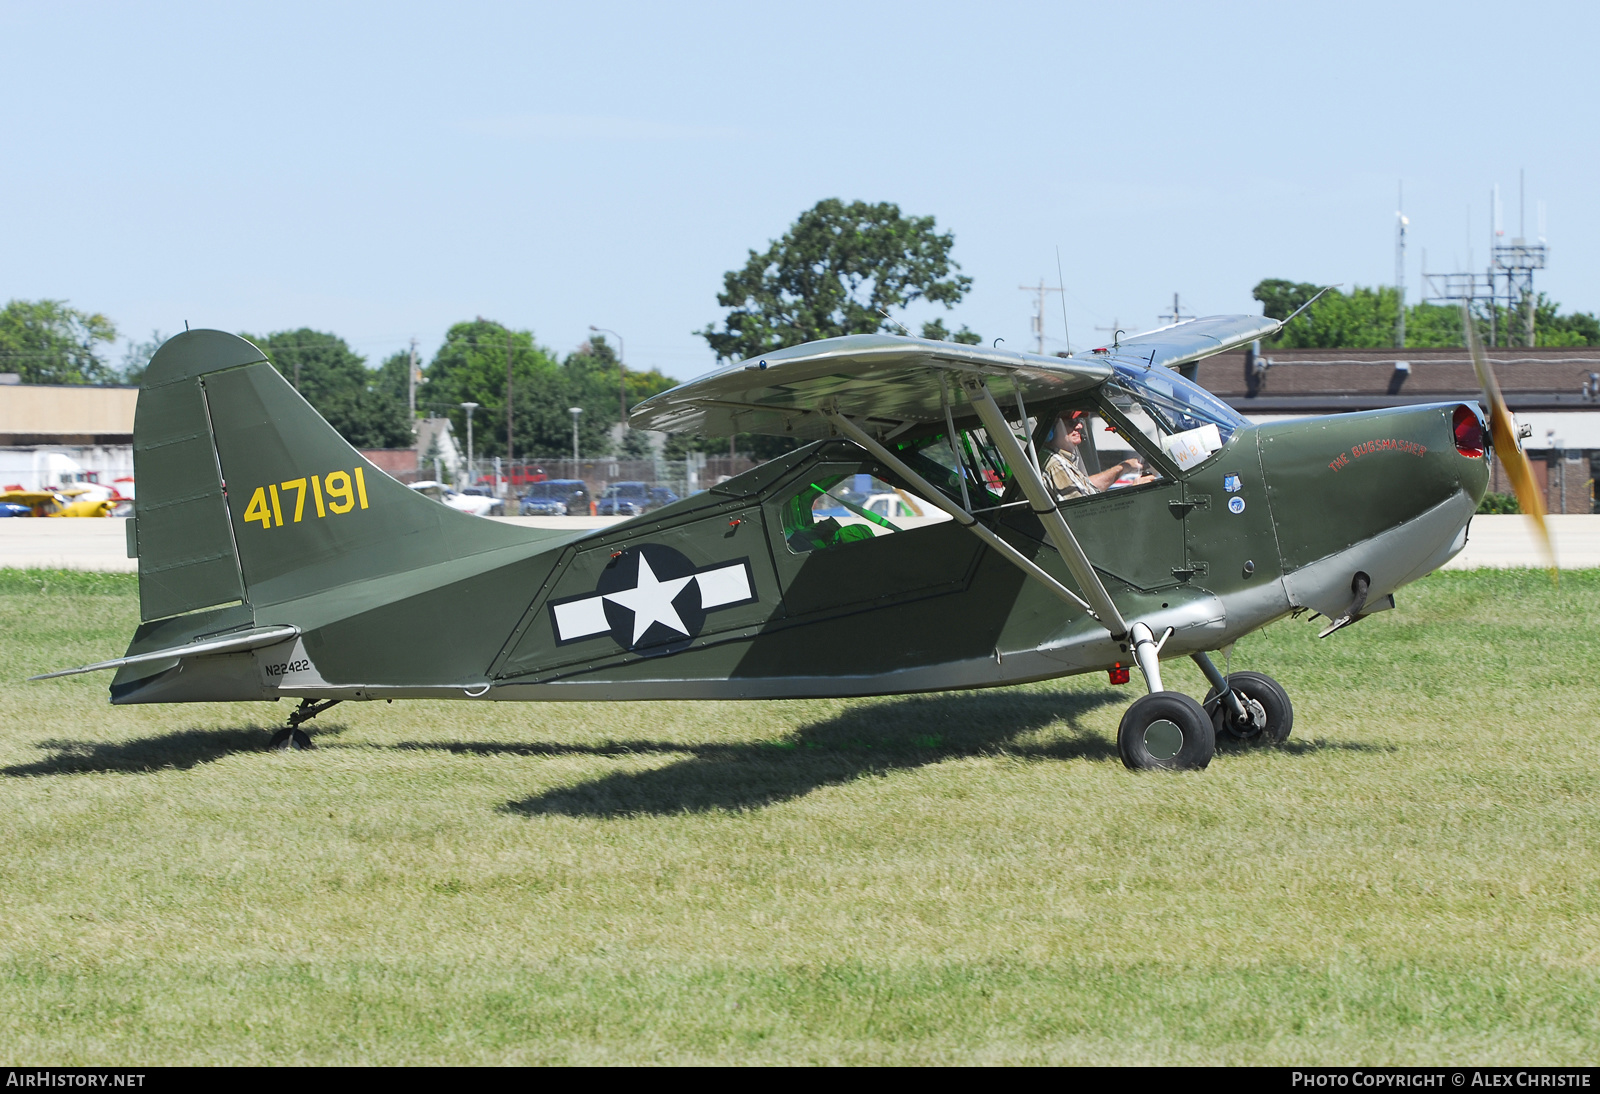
{"x": 836, "y": 271}
{"x": 1362, "y": 317}
{"x": 46, "y": 342}
{"x": 1365, "y": 318}
{"x": 1280, "y": 298}
{"x": 470, "y": 366}
{"x": 1550, "y": 328}
{"x": 593, "y": 371}
{"x": 136, "y": 358}
{"x": 936, "y": 331}
{"x": 336, "y": 381}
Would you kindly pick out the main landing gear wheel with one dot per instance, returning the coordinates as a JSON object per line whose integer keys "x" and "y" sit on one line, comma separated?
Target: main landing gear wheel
{"x": 1166, "y": 730}
{"x": 286, "y": 739}
{"x": 1269, "y": 716}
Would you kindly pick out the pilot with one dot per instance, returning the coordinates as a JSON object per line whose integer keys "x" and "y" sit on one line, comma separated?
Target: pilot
{"x": 1065, "y": 472}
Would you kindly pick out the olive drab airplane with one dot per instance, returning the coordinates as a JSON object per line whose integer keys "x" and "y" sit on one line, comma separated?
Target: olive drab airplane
{"x": 919, "y": 540}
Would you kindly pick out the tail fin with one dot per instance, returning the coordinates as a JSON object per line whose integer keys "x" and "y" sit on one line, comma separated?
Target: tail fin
{"x": 247, "y": 494}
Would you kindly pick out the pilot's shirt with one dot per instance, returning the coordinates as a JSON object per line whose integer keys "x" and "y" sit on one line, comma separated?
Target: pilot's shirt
{"x": 1067, "y": 476}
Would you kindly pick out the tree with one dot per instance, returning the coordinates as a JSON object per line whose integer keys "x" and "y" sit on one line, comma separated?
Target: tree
{"x": 471, "y": 366}
{"x": 136, "y": 358}
{"x": 335, "y": 380}
{"x": 1280, "y": 299}
{"x": 46, "y": 342}
{"x": 593, "y": 370}
{"x": 1364, "y": 318}
{"x": 836, "y": 271}
{"x": 936, "y": 331}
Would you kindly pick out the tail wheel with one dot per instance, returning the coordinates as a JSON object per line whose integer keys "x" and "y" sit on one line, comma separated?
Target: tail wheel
{"x": 1166, "y": 731}
{"x": 1269, "y": 716}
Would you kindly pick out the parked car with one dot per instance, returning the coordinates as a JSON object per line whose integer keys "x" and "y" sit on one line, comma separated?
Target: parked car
{"x": 479, "y": 505}
{"x": 556, "y": 498}
{"x": 661, "y": 495}
{"x": 624, "y": 499}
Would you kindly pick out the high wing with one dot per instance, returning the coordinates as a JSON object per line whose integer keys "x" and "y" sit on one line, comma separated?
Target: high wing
{"x": 1191, "y": 340}
{"x": 888, "y": 384}
{"x": 885, "y": 383}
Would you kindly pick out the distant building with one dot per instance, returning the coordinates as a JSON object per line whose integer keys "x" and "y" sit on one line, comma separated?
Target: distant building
{"x": 54, "y": 434}
{"x": 1553, "y": 390}
{"x": 437, "y": 454}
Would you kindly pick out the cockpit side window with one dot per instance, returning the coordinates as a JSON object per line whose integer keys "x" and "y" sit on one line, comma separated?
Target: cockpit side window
{"x": 1084, "y": 453}
{"x": 1186, "y": 422}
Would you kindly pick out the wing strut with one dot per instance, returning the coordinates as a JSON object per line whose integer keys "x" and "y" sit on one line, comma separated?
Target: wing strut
{"x": 1044, "y": 506}
{"x": 937, "y": 497}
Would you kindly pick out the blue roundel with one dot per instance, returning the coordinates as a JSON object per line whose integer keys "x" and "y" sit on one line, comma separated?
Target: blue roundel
{"x": 1235, "y": 505}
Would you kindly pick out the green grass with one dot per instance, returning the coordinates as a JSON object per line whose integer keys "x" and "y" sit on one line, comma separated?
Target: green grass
{"x": 969, "y": 878}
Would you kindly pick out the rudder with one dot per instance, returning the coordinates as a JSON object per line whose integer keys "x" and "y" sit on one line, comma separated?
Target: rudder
{"x": 246, "y": 493}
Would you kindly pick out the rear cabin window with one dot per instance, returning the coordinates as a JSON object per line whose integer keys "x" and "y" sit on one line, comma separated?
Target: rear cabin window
{"x": 841, "y": 506}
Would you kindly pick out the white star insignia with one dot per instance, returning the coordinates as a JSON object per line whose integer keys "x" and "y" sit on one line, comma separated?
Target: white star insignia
{"x": 651, "y": 601}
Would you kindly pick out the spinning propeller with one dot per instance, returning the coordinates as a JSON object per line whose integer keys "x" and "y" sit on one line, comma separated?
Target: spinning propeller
{"x": 1506, "y": 447}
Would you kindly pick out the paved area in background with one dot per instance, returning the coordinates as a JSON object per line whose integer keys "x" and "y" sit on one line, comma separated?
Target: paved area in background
{"x": 101, "y": 544}
{"x": 1501, "y": 542}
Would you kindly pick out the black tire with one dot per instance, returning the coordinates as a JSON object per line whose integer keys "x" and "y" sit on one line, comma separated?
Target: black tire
{"x": 1166, "y": 731}
{"x": 1265, "y": 699}
{"x": 290, "y": 739}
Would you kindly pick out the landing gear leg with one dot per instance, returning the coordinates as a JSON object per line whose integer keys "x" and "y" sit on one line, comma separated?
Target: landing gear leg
{"x": 292, "y": 736}
{"x": 1247, "y": 706}
{"x": 1164, "y": 729}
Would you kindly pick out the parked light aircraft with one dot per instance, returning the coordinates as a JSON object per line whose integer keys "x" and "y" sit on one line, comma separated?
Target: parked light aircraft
{"x": 275, "y": 562}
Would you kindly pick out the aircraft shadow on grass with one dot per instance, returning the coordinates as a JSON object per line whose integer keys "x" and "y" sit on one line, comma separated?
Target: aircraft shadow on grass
{"x": 176, "y": 751}
{"x": 861, "y": 742}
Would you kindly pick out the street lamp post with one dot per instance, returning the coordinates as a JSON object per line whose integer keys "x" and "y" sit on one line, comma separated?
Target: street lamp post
{"x": 622, "y": 371}
{"x": 575, "y": 411}
{"x": 469, "y": 408}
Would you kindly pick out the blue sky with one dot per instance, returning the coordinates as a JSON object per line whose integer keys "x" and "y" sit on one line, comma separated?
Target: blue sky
{"x": 384, "y": 170}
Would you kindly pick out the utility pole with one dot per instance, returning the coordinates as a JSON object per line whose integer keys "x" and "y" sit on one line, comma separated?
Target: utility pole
{"x": 1177, "y": 315}
{"x": 575, "y": 411}
{"x": 1400, "y": 264}
{"x": 1038, "y": 316}
{"x": 469, "y": 408}
{"x": 411, "y": 387}
{"x": 508, "y": 400}
{"x": 622, "y": 371}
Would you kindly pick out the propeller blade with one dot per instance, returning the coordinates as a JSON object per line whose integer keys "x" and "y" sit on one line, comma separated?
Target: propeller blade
{"x": 1506, "y": 447}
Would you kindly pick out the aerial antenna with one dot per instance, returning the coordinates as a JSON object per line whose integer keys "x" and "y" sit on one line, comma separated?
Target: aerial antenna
{"x": 1061, "y": 279}
{"x": 1308, "y": 303}
{"x": 895, "y": 321}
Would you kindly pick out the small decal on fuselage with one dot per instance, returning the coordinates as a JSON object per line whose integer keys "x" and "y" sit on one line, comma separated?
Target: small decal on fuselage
{"x": 287, "y": 665}
{"x": 1235, "y": 506}
{"x": 1232, "y": 483}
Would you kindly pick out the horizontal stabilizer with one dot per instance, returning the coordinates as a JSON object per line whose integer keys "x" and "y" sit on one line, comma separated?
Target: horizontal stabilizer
{"x": 231, "y": 644}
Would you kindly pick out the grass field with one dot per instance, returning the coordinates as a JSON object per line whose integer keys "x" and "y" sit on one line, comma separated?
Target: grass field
{"x": 969, "y": 878}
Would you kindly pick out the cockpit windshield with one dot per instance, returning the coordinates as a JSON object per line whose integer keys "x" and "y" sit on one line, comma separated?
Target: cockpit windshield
{"x": 1186, "y": 420}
